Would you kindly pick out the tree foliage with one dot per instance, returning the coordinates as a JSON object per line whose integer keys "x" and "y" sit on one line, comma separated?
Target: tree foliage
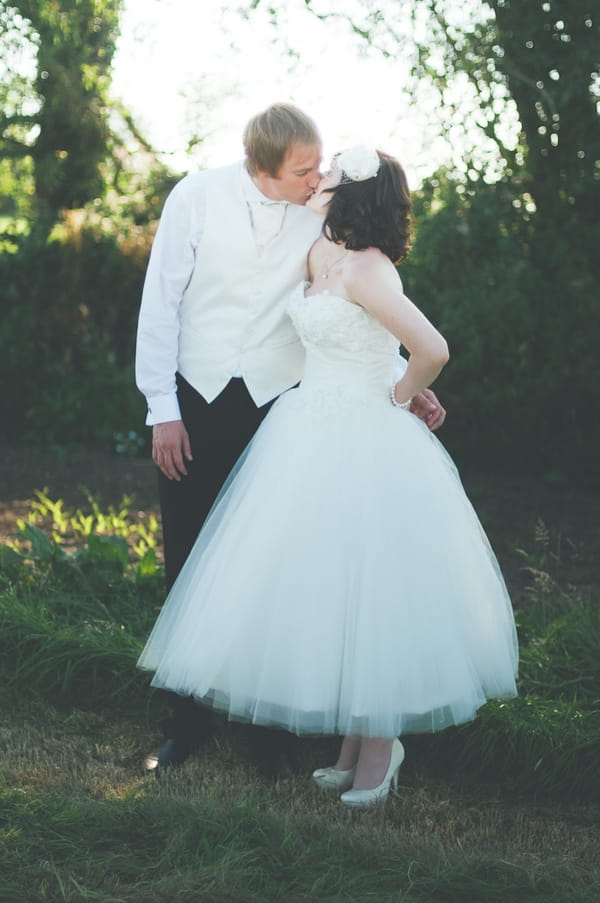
{"x": 66, "y": 132}
{"x": 542, "y": 57}
{"x": 69, "y": 310}
{"x": 80, "y": 224}
{"x": 549, "y": 55}
{"x": 505, "y": 258}
{"x": 506, "y": 264}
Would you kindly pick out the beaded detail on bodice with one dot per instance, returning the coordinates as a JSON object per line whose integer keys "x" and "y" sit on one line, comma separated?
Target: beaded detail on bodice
{"x": 348, "y": 352}
{"x": 330, "y": 321}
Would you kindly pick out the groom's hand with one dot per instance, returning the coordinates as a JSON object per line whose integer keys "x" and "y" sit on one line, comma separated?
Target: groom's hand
{"x": 171, "y": 448}
{"x": 427, "y": 408}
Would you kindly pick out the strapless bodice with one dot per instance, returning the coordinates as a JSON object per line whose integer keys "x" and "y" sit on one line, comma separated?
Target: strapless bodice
{"x": 346, "y": 347}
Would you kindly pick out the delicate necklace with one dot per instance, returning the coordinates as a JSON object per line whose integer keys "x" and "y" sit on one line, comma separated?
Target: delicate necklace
{"x": 325, "y": 275}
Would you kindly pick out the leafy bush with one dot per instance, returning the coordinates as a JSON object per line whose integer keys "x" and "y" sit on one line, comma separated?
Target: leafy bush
{"x": 73, "y": 621}
{"x": 514, "y": 295}
{"x": 70, "y": 307}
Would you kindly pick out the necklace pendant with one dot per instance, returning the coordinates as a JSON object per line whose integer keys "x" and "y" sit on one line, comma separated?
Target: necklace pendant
{"x": 337, "y": 260}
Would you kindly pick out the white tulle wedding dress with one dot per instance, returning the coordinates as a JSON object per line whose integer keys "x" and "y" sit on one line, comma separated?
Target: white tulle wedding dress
{"x": 342, "y": 582}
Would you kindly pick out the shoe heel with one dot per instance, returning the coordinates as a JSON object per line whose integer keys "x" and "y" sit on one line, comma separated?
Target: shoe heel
{"x": 378, "y": 794}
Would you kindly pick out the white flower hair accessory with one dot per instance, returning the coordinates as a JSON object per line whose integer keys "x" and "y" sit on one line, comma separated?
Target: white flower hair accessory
{"x": 358, "y": 163}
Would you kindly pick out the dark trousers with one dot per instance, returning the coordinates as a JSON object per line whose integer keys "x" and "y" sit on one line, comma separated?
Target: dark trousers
{"x": 218, "y": 433}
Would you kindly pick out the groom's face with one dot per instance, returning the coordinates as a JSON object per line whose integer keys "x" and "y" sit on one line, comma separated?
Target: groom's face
{"x": 297, "y": 177}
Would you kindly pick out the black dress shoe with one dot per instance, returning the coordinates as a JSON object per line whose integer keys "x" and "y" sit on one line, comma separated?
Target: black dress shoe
{"x": 172, "y": 751}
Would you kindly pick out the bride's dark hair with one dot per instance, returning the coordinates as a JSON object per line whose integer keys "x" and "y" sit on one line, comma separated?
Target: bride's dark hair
{"x": 375, "y": 213}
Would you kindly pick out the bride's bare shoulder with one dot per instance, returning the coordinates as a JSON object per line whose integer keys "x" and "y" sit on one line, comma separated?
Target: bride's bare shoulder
{"x": 369, "y": 266}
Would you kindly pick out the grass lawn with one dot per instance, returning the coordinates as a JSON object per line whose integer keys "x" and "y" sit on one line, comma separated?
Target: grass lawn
{"x": 80, "y": 823}
{"x": 504, "y": 810}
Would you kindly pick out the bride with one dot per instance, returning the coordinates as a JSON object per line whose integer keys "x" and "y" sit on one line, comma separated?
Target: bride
{"x": 342, "y": 583}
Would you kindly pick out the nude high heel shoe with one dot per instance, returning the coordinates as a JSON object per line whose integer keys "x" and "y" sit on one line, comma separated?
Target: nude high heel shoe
{"x": 378, "y": 794}
{"x": 333, "y": 779}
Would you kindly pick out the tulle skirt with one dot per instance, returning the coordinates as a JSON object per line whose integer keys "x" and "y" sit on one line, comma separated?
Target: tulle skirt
{"x": 341, "y": 584}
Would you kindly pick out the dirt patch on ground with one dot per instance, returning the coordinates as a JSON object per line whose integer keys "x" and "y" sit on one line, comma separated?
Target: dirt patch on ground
{"x": 71, "y": 475}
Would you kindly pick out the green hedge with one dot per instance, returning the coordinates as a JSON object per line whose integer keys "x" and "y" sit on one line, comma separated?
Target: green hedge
{"x": 69, "y": 312}
{"x": 514, "y": 296}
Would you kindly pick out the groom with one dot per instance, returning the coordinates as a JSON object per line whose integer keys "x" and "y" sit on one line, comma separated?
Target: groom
{"x": 215, "y": 347}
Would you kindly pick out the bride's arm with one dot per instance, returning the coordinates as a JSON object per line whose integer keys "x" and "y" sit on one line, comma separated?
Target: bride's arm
{"x": 371, "y": 280}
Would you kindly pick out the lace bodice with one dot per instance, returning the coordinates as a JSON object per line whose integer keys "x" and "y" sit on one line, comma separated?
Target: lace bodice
{"x": 347, "y": 349}
{"x": 329, "y": 321}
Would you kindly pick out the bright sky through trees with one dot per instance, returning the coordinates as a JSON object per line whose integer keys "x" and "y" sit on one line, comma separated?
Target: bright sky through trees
{"x": 195, "y": 70}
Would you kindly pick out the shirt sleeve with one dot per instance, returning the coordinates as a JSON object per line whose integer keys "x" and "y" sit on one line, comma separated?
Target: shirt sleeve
{"x": 169, "y": 272}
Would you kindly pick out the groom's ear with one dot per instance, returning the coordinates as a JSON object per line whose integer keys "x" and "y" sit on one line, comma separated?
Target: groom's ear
{"x": 261, "y": 173}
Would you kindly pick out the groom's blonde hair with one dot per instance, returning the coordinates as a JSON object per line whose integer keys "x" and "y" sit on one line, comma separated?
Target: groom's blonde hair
{"x": 269, "y": 135}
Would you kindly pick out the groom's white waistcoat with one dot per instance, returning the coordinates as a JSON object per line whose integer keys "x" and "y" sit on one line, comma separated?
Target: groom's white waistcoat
{"x": 232, "y": 316}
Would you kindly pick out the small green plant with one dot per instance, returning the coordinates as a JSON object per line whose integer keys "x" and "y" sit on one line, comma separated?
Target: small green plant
{"x": 76, "y": 602}
{"x": 140, "y": 538}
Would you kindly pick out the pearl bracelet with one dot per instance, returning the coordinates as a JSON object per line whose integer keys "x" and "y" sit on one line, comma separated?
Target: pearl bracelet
{"x": 398, "y": 404}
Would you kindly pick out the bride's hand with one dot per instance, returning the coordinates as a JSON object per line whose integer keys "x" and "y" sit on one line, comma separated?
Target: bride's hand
{"x": 427, "y": 408}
